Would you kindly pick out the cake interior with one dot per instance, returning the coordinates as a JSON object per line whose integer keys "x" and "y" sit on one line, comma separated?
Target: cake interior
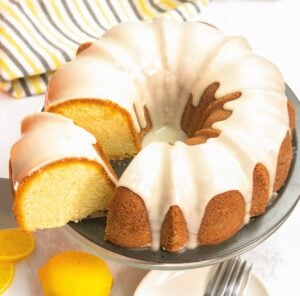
{"x": 69, "y": 190}
{"x": 114, "y": 131}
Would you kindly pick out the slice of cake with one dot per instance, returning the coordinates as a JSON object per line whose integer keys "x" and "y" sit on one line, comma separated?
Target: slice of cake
{"x": 65, "y": 176}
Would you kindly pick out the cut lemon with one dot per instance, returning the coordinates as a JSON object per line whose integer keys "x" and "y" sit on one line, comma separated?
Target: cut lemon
{"x": 15, "y": 245}
{"x": 75, "y": 274}
{"x": 6, "y": 275}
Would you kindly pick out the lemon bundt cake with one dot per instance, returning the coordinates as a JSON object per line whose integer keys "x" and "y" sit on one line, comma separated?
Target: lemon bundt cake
{"x": 58, "y": 173}
{"x": 212, "y": 118}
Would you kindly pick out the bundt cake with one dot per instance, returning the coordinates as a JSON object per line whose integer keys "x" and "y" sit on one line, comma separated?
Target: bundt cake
{"x": 212, "y": 118}
{"x": 58, "y": 173}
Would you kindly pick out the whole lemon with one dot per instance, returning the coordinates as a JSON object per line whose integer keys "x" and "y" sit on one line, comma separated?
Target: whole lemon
{"x": 75, "y": 273}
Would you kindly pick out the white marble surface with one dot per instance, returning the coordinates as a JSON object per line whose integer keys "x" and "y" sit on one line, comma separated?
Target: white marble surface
{"x": 272, "y": 28}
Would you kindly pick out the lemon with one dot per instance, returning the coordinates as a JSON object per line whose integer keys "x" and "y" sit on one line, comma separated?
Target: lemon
{"x": 75, "y": 273}
{"x": 6, "y": 275}
{"x": 15, "y": 245}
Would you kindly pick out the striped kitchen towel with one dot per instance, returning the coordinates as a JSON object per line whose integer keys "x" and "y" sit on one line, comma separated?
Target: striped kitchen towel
{"x": 37, "y": 36}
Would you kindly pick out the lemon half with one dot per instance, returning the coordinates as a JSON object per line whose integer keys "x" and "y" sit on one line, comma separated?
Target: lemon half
{"x": 75, "y": 273}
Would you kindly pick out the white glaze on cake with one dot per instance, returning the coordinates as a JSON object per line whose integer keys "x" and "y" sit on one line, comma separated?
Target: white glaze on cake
{"x": 166, "y": 133}
{"x": 158, "y": 65}
{"x": 46, "y": 138}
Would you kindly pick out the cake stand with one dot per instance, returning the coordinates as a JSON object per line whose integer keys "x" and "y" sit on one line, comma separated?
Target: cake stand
{"x": 90, "y": 232}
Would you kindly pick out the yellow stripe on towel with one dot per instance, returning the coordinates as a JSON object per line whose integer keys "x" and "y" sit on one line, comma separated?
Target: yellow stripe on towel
{"x": 22, "y": 26}
{"x": 145, "y": 10}
{"x": 38, "y": 36}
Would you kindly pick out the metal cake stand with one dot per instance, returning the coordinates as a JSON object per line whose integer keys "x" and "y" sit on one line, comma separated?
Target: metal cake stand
{"x": 91, "y": 231}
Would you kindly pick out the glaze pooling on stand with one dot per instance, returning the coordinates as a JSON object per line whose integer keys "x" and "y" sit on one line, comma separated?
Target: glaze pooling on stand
{"x": 159, "y": 65}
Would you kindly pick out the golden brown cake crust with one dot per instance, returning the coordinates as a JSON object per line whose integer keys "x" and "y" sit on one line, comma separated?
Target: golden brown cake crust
{"x": 148, "y": 126}
{"x": 208, "y": 132}
{"x": 292, "y": 115}
{"x": 28, "y": 180}
{"x": 104, "y": 157}
{"x": 127, "y": 220}
{"x": 208, "y": 111}
{"x": 216, "y": 112}
{"x": 285, "y": 155}
{"x": 224, "y": 216}
{"x": 191, "y": 122}
{"x": 128, "y": 224}
{"x": 174, "y": 233}
{"x": 195, "y": 140}
{"x": 261, "y": 189}
{"x": 284, "y": 161}
{"x": 83, "y": 46}
{"x": 202, "y": 136}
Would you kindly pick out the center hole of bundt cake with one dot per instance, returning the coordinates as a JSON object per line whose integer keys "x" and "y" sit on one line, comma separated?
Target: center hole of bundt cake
{"x": 196, "y": 121}
{"x": 166, "y": 133}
